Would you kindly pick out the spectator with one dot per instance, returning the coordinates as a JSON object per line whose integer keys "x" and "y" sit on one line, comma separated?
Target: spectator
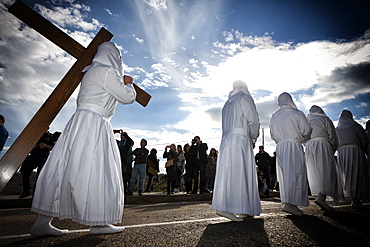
{"x": 36, "y": 159}
{"x": 180, "y": 166}
{"x": 210, "y": 171}
{"x": 236, "y": 187}
{"x": 198, "y": 150}
{"x": 263, "y": 164}
{"x": 273, "y": 172}
{"x": 170, "y": 166}
{"x": 82, "y": 178}
{"x": 289, "y": 129}
{"x": 188, "y": 169}
{"x": 321, "y": 165}
{"x": 353, "y": 143}
{"x": 124, "y": 146}
{"x": 128, "y": 170}
{"x": 262, "y": 186}
{"x": 152, "y": 166}
{"x": 139, "y": 170}
{"x": 3, "y": 133}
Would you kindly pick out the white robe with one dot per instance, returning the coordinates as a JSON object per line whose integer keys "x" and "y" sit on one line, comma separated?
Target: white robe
{"x": 289, "y": 128}
{"x": 322, "y": 170}
{"x": 236, "y": 186}
{"x": 351, "y": 158}
{"x": 82, "y": 178}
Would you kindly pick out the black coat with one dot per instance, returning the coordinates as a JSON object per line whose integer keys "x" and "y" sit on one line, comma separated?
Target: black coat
{"x": 202, "y": 152}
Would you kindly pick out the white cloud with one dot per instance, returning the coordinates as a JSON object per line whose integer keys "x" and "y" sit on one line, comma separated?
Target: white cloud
{"x": 157, "y": 4}
{"x": 361, "y": 105}
{"x": 140, "y": 41}
{"x": 69, "y": 16}
{"x": 108, "y": 11}
{"x": 322, "y": 67}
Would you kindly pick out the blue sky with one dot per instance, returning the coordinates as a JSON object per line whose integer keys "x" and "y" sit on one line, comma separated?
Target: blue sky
{"x": 186, "y": 54}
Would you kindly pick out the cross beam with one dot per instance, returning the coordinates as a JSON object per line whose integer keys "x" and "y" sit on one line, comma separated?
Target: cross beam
{"x": 38, "y": 125}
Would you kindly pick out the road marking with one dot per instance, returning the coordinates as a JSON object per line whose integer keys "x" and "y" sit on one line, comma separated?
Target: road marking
{"x": 221, "y": 219}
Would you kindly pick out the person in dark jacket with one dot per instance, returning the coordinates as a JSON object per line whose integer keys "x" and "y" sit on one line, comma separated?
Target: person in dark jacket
{"x": 188, "y": 169}
{"x": 141, "y": 155}
{"x": 171, "y": 167}
{"x": 263, "y": 162}
{"x": 124, "y": 146}
{"x": 198, "y": 150}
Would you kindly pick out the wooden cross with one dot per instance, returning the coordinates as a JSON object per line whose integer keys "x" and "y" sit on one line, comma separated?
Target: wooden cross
{"x": 39, "y": 124}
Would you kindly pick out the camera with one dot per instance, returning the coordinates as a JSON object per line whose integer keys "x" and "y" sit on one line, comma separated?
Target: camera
{"x": 116, "y": 131}
{"x": 193, "y": 141}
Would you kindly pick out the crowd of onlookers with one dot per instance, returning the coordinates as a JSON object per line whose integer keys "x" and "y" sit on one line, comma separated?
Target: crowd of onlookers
{"x": 189, "y": 168}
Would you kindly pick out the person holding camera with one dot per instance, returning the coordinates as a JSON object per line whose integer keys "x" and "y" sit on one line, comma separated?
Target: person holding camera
{"x": 124, "y": 146}
{"x": 198, "y": 150}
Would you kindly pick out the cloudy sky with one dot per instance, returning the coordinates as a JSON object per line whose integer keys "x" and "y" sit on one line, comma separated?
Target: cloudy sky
{"x": 187, "y": 53}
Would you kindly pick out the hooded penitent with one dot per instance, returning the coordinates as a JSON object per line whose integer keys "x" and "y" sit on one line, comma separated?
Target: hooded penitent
{"x": 236, "y": 188}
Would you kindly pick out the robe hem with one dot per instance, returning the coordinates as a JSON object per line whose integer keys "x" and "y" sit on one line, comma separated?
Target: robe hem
{"x": 82, "y": 222}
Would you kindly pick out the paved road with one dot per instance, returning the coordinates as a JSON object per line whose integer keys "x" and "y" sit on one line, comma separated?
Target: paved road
{"x": 195, "y": 224}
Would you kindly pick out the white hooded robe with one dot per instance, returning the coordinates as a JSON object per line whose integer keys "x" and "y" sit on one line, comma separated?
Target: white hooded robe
{"x": 289, "y": 128}
{"x": 353, "y": 143}
{"x": 236, "y": 186}
{"x": 82, "y": 178}
{"x": 322, "y": 170}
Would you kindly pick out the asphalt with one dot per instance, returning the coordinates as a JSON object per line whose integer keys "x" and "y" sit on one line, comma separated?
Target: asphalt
{"x": 13, "y": 201}
{"x": 193, "y": 223}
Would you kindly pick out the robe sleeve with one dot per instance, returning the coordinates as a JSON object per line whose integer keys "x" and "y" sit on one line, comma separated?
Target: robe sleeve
{"x": 363, "y": 138}
{"x": 303, "y": 126}
{"x": 332, "y": 134}
{"x": 125, "y": 94}
{"x": 251, "y": 116}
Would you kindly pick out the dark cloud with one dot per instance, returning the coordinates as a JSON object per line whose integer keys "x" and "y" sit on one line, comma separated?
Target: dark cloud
{"x": 355, "y": 74}
{"x": 265, "y": 110}
{"x": 215, "y": 113}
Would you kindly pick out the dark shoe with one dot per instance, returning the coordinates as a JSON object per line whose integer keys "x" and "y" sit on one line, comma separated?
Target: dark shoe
{"x": 25, "y": 194}
{"x": 140, "y": 194}
{"x": 130, "y": 193}
{"x": 194, "y": 192}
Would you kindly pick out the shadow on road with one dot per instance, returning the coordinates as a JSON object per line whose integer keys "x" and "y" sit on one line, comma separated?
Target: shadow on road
{"x": 343, "y": 229}
{"x": 250, "y": 232}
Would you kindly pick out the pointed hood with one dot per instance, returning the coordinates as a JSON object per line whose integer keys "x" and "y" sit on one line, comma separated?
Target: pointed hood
{"x": 239, "y": 86}
{"x": 285, "y": 99}
{"x": 346, "y": 120}
{"x": 315, "y": 112}
{"x": 107, "y": 55}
